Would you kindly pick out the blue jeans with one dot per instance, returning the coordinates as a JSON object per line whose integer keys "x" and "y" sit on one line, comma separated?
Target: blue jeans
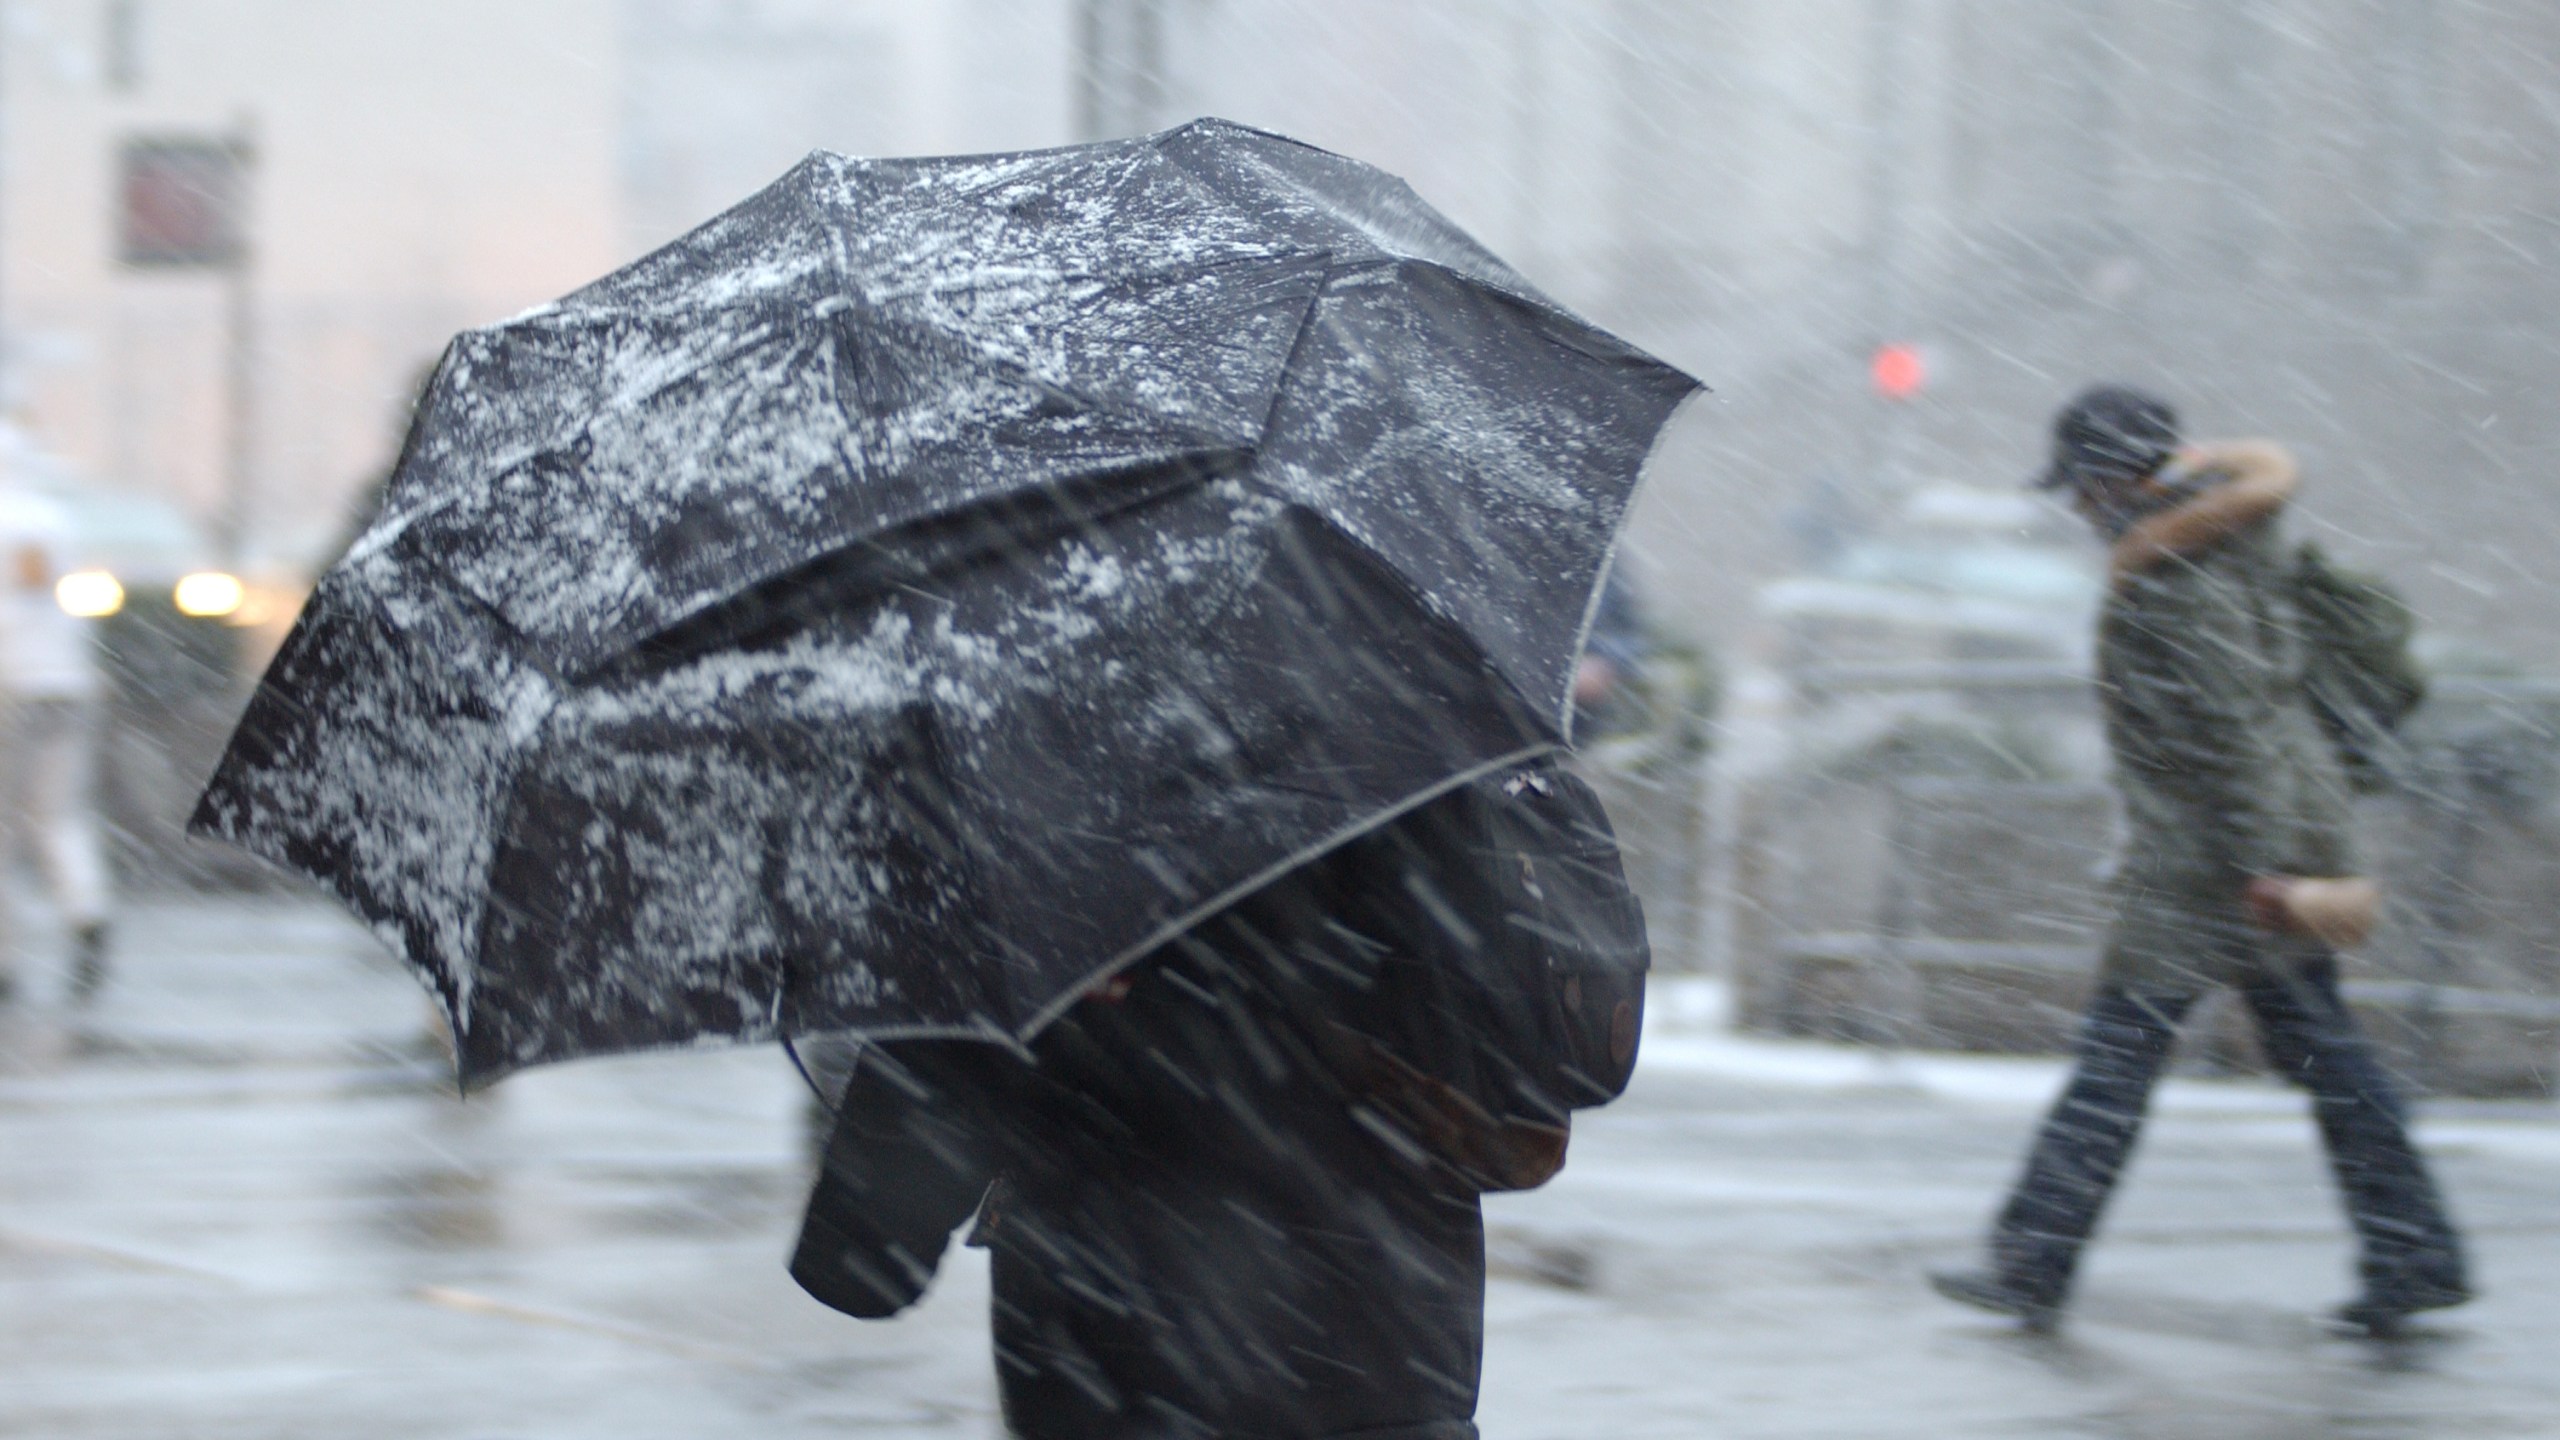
{"x": 2410, "y": 1252}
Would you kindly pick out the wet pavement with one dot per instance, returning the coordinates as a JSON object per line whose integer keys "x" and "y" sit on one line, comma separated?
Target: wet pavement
{"x": 238, "y": 1199}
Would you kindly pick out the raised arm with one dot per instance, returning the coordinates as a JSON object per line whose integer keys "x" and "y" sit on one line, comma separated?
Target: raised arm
{"x": 2263, "y": 479}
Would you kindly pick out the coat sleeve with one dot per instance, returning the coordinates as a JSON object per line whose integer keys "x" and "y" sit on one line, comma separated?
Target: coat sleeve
{"x": 2194, "y": 710}
{"x": 908, "y": 1159}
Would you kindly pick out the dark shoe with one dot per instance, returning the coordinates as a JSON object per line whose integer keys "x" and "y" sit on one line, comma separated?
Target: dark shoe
{"x": 88, "y": 960}
{"x": 2384, "y": 1314}
{"x": 1984, "y": 1290}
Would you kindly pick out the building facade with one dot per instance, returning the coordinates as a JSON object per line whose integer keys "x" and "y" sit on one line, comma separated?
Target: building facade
{"x": 414, "y": 167}
{"x": 2331, "y": 220}
{"x": 411, "y": 169}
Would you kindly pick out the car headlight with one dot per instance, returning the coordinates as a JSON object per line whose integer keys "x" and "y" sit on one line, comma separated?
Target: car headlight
{"x": 89, "y": 594}
{"x": 209, "y": 593}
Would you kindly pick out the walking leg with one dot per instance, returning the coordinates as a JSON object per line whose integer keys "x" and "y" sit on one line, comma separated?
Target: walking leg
{"x": 2124, "y": 1042}
{"x": 61, "y": 805}
{"x": 2412, "y": 1259}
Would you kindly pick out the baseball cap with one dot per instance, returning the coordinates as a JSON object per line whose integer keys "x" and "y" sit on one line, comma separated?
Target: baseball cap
{"x": 2109, "y": 431}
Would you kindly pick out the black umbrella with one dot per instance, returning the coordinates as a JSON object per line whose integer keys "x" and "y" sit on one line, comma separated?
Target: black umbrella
{"x": 935, "y": 582}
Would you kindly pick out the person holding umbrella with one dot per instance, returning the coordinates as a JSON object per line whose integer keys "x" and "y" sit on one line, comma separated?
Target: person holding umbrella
{"x": 1091, "y": 625}
{"x": 1235, "y": 1193}
{"x": 2238, "y": 868}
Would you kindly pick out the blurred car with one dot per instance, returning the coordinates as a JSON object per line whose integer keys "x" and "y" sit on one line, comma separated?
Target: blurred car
{"x": 175, "y": 635}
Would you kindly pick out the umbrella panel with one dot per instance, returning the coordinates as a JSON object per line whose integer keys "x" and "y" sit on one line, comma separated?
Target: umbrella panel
{"x": 769, "y": 432}
{"x": 903, "y": 817}
{"x": 1483, "y": 447}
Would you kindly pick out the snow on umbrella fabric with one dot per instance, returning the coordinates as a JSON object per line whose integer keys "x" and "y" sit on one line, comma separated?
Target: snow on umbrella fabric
{"x": 935, "y": 582}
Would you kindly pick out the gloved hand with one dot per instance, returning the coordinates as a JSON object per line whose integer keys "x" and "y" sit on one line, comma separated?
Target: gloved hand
{"x": 2339, "y": 912}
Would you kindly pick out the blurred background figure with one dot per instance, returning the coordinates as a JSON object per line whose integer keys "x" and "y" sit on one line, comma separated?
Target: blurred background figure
{"x": 1613, "y": 658}
{"x": 50, "y": 716}
{"x": 1644, "y": 692}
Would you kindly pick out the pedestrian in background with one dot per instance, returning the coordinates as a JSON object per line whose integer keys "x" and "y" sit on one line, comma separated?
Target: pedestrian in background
{"x": 50, "y": 716}
{"x": 2238, "y": 870}
{"x": 1614, "y": 652}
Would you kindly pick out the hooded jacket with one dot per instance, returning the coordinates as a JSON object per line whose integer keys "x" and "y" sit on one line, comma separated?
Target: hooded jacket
{"x": 2224, "y": 772}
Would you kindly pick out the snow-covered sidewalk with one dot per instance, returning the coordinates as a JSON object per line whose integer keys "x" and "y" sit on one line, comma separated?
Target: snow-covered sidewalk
{"x": 238, "y": 1200}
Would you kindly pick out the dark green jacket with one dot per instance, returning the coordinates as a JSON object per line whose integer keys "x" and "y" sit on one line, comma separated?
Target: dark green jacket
{"x": 2224, "y": 773}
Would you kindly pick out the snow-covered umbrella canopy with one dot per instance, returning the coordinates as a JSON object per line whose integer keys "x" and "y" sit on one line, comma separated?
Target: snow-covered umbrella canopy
{"x": 935, "y": 582}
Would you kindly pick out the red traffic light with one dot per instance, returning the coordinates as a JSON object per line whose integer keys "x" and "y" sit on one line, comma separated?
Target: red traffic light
{"x": 1899, "y": 371}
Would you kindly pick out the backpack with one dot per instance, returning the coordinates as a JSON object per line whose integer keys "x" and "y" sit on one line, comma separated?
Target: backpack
{"x": 1511, "y": 987}
{"x": 2357, "y": 672}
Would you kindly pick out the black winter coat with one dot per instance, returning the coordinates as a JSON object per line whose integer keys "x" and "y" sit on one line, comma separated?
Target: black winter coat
{"x": 1238, "y": 1195}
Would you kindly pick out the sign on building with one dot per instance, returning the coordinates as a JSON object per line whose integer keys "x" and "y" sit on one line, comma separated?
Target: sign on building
{"x": 181, "y": 202}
